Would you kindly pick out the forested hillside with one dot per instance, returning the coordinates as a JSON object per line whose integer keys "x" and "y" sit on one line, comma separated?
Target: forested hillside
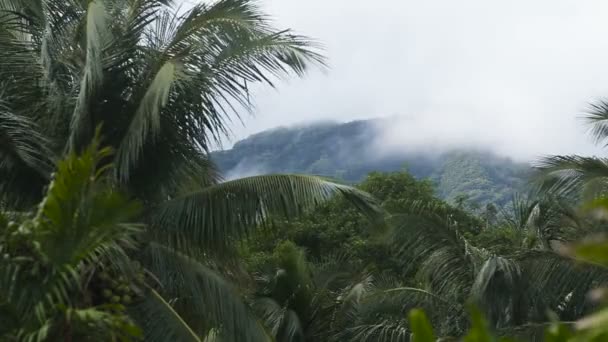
{"x": 349, "y": 151}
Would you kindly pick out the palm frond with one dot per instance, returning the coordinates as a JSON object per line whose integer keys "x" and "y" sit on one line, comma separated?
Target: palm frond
{"x": 496, "y": 290}
{"x": 517, "y": 215}
{"x": 32, "y": 7}
{"x": 433, "y": 245}
{"x": 159, "y": 320}
{"x": 544, "y": 219}
{"x": 213, "y": 336}
{"x": 219, "y": 215}
{"x": 349, "y": 300}
{"x": 96, "y": 33}
{"x": 80, "y": 222}
{"x": 147, "y": 117}
{"x": 557, "y": 283}
{"x": 340, "y": 271}
{"x": 384, "y": 331}
{"x": 597, "y": 117}
{"x": 567, "y": 175}
{"x": 24, "y": 157}
{"x": 391, "y": 306}
{"x": 214, "y": 51}
{"x": 202, "y": 298}
{"x": 283, "y": 322}
{"x": 72, "y": 222}
{"x": 180, "y": 170}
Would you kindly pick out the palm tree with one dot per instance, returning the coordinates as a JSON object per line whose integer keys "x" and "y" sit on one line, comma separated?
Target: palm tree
{"x": 579, "y": 176}
{"x": 163, "y": 85}
{"x": 514, "y": 290}
{"x": 50, "y": 258}
{"x": 306, "y": 301}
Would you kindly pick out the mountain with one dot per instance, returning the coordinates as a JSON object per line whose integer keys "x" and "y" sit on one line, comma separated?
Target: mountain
{"x": 350, "y": 151}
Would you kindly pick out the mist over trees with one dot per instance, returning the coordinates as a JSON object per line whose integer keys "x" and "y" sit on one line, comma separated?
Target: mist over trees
{"x": 350, "y": 151}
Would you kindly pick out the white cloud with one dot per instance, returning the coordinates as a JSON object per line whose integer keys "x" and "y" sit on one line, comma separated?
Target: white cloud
{"x": 515, "y": 75}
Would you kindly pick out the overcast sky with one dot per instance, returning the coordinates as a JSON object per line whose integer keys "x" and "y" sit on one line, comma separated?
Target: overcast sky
{"x": 515, "y": 75}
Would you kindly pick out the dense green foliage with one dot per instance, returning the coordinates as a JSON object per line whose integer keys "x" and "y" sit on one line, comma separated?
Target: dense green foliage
{"x": 482, "y": 177}
{"x": 429, "y": 254}
{"x": 337, "y": 229}
{"x": 52, "y": 260}
{"x": 593, "y": 328}
{"x": 158, "y": 85}
{"x": 347, "y": 151}
{"x": 115, "y": 225}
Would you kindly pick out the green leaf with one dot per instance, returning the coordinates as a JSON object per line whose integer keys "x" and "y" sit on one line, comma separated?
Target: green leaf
{"x": 480, "y": 329}
{"x": 81, "y": 215}
{"x": 558, "y": 332}
{"x": 25, "y": 158}
{"x": 200, "y": 295}
{"x": 161, "y": 321}
{"x": 422, "y": 331}
{"x": 51, "y": 255}
{"x": 146, "y": 121}
{"x": 567, "y": 175}
{"x": 592, "y": 250}
{"x": 97, "y": 32}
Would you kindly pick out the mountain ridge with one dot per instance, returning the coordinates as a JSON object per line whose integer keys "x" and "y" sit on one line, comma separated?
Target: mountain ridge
{"x": 348, "y": 151}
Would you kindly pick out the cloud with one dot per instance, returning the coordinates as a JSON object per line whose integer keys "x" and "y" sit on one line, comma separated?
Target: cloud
{"x": 515, "y": 75}
{"x": 245, "y": 168}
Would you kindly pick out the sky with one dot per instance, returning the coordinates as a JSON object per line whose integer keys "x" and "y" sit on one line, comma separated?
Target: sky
{"x": 515, "y": 76}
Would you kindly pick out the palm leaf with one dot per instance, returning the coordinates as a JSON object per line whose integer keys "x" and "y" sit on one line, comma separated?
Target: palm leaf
{"x": 283, "y": 322}
{"x": 496, "y": 291}
{"x": 25, "y": 160}
{"x": 427, "y": 241}
{"x": 97, "y": 32}
{"x": 384, "y": 331}
{"x": 597, "y": 117}
{"x": 557, "y": 283}
{"x": 567, "y": 175}
{"x": 79, "y": 223}
{"x": 72, "y": 222}
{"x": 383, "y": 312}
{"x": 147, "y": 117}
{"x": 211, "y": 52}
{"x": 229, "y": 211}
{"x": 202, "y": 298}
{"x": 159, "y": 320}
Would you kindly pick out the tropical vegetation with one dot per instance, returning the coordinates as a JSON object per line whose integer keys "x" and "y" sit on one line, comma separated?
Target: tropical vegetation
{"x": 514, "y": 267}
{"x": 115, "y": 225}
{"x": 158, "y": 86}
